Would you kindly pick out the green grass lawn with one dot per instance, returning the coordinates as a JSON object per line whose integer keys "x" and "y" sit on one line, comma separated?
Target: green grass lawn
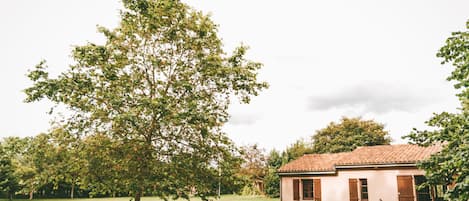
{"x": 223, "y": 198}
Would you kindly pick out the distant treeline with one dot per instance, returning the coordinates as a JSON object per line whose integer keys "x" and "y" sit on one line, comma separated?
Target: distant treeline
{"x": 59, "y": 165}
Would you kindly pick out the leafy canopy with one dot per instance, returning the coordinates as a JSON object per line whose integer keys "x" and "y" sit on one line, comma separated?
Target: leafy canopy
{"x": 451, "y": 165}
{"x": 8, "y": 180}
{"x": 159, "y": 89}
{"x": 272, "y": 179}
{"x": 276, "y": 159}
{"x": 296, "y": 150}
{"x": 349, "y": 134}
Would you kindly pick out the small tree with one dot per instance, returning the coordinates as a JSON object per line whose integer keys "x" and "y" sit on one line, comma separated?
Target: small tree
{"x": 8, "y": 180}
{"x": 253, "y": 168}
{"x": 102, "y": 166}
{"x": 277, "y": 159}
{"x": 19, "y": 150}
{"x": 272, "y": 180}
{"x": 296, "y": 150}
{"x": 41, "y": 160}
{"x": 67, "y": 157}
{"x": 349, "y": 134}
{"x": 230, "y": 180}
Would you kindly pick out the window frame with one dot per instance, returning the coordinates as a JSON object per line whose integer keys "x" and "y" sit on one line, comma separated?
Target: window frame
{"x": 363, "y": 184}
{"x": 309, "y": 191}
{"x": 423, "y": 194}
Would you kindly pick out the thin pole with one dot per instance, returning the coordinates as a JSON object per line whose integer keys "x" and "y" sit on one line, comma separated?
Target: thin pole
{"x": 219, "y": 181}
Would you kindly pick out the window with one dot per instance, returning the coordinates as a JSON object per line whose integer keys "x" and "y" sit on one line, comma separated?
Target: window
{"x": 308, "y": 191}
{"x": 364, "y": 189}
{"x": 440, "y": 190}
{"x": 358, "y": 189}
{"x": 423, "y": 193}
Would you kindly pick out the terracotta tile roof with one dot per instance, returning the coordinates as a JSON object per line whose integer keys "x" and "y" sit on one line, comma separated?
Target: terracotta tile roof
{"x": 388, "y": 154}
{"x": 372, "y": 155}
{"x": 313, "y": 163}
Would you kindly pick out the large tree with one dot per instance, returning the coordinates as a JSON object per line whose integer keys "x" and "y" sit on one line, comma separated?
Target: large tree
{"x": 451, "y": 165}
{"x": 349, "y": 134}
{"x": 159, "y": 88}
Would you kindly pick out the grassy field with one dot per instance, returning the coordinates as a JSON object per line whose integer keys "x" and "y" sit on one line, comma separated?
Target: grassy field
{"x": 223, "y": 198}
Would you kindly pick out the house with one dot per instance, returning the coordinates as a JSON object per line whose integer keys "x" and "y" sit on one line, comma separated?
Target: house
{"x": 374, "y": 173}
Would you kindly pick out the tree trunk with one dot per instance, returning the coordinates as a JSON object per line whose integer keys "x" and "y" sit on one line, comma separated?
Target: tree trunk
{"x": 73, "y": 188}
{"x": 137, "y": 196}
{"x": 10, "y": 196}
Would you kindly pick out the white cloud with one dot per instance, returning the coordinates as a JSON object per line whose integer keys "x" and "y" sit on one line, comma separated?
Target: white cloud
{"x": 377, "y": 98}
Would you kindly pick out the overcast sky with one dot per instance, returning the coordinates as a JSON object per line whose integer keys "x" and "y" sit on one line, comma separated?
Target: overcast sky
{"x": 323, "y": 60}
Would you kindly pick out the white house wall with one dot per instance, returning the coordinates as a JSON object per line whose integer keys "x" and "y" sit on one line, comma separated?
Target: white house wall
{"x": 382, "y": 184}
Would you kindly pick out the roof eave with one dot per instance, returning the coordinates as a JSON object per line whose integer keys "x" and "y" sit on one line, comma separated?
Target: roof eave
{"x": 306, "y": 173}
{"x": 384, "y": 165}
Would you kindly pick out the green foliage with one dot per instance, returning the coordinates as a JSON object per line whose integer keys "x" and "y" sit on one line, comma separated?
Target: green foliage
{"x": 253, "y": 169}
{"x": 250, "y": 189}
{"x": 48, "y": 164}
{"x": 68, "y": 160}
{"x": 274, "y": 159}
{"x": 455, "y": 52}
{"x": 102, "y": 166}
{"x": 41, "y": 160}
{"x": 25, "y": 171}
{"x": 272, "y": 183}
{"x": 8, "y": 180}
{"x": 231, "y": 180}
{"x": 349, "y": 134}
{"x": 254, "y": 162}
{"x": 158, "y": 90}
{"x": 450, "y": 166}
{"x": 223, "y": 198}
{"x": 296, "y": 150}
{"x": 44, "y": 163}
{"x": 271, "y": 179}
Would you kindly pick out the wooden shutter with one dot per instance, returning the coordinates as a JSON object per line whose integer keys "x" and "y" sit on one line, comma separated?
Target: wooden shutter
{"x": 296, "y": 189}
{"x": 353, "y": 189}
{"x": 405, "y": 188}
{"x": 317, "y": 189}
